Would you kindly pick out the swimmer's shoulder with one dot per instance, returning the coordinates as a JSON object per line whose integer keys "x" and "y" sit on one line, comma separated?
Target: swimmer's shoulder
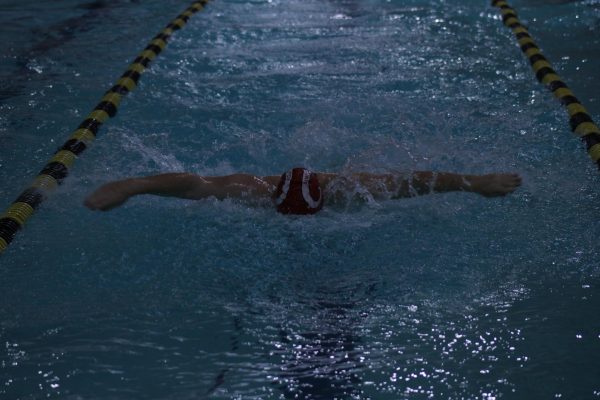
{"x": 271, "y": 180}
{"x": 325, "y": 178}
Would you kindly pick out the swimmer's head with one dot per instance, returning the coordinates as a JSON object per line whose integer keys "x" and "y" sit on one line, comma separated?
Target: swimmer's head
{"x": 298, "y": 192}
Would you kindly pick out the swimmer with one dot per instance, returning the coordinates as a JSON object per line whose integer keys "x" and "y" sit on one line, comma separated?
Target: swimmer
{"x": 298, "y": 191}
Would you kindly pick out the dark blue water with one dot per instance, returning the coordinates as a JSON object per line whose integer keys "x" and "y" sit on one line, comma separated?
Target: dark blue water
{"x": 448, "y": 296}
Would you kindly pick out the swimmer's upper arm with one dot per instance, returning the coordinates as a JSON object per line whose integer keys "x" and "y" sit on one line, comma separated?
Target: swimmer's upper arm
{"x": 235, "y": 185}
{"x": 363, "y": 178}
{"x": 325, "y": 178}
{"x": 271, "y": 180}
{"x": 376, "y": 184}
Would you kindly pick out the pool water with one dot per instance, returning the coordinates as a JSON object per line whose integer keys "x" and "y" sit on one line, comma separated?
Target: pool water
{"x": 447, "y": 296}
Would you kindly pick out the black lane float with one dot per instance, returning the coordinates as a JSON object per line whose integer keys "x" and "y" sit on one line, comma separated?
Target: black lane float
{"x": 57, "y": 169}
{"x": 580, "y": 120}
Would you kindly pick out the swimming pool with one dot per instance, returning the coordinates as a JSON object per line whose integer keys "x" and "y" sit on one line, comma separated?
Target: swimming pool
{"x": 445, "y": 296}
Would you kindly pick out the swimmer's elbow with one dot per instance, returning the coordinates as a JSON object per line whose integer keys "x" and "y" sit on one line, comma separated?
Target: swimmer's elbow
{"x": 195, "y": 187}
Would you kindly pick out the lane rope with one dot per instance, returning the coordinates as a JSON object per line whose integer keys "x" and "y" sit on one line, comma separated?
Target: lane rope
{"x": 57, "y": 169}
{"x": 580, "y": 120}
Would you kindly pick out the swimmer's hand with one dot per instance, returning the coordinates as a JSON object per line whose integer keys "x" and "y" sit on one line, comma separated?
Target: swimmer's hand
{"x": 493, "y": 185}
{"x": 108, "y": 196}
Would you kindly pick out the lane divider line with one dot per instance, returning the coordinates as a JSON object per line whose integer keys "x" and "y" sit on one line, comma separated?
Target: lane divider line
{"x": 57, "y": 169}
{"x": 579, "y": 119}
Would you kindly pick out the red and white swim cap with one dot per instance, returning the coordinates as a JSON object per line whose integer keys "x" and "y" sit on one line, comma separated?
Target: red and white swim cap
{"x": 298, "y": 192}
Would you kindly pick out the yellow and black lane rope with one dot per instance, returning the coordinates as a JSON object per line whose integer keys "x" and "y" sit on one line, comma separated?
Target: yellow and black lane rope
{"x": 58, "y": 167}
{"x": 580, "y": 120}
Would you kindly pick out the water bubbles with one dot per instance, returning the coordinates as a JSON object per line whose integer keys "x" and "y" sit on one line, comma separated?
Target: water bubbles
{"x": 341, "y": 17}
{"x": 35, "y": 66}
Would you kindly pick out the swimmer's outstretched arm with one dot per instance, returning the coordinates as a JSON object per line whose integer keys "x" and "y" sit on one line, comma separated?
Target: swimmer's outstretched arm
{"x": 183, "y": 185}
{"x": 425, "y": 182}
